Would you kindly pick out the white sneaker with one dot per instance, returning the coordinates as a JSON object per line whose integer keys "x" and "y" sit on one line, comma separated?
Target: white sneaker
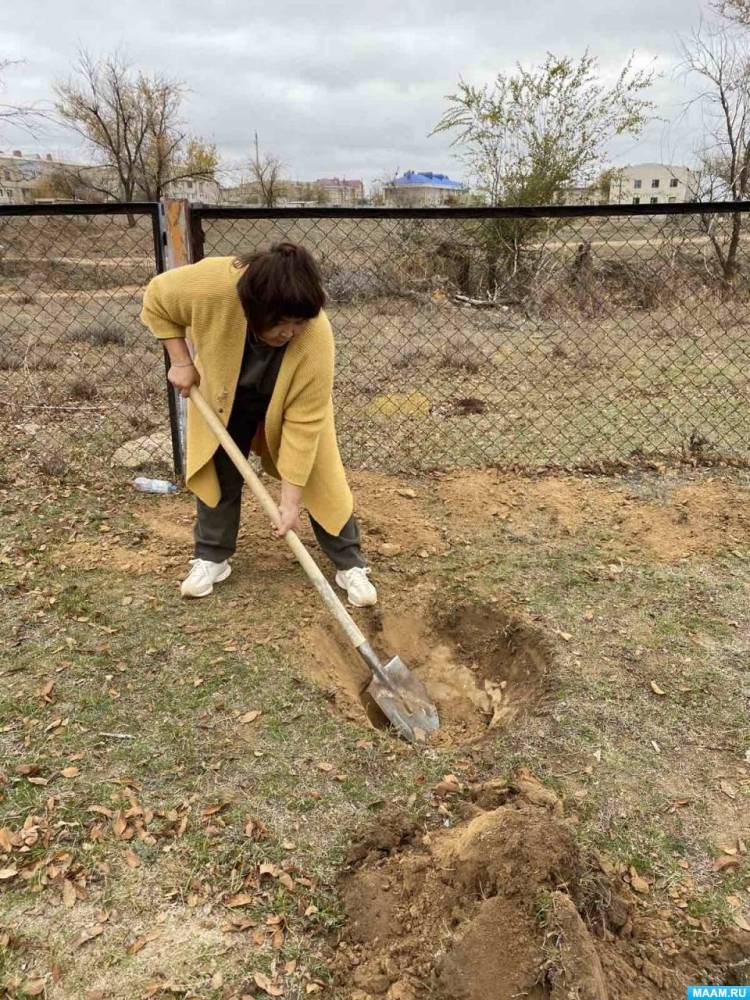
{"x": 201, "y": 579}
{"x": 360, "y": 591}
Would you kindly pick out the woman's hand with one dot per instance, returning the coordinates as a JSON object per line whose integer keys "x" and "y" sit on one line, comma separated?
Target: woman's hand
{"x": 289, "y": 508}
{"x": 182, "y": 377}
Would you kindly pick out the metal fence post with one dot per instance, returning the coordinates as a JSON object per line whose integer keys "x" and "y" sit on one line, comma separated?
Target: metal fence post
{"x": 174, "y": 218}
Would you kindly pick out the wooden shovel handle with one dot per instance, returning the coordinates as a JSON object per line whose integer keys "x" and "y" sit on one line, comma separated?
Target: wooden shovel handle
{"x": 261, "y": 494}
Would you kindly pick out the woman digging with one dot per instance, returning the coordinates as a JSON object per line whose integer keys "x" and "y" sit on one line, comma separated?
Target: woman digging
{"x": 263, "y": 356}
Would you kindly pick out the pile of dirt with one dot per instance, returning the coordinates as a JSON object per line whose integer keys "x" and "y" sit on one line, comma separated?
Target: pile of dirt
{"x": 495, "y": 906}
{"x": 483, "y": 666}
{"x": 697, "y": 517}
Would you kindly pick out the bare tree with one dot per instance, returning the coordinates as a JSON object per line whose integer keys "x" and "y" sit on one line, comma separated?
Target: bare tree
{"x": 720, "y": 57}
{"x": 734, "y": 10}
{"x": 131, "y": 123}
{"x": 14, "y": 114}
{"x": 266, "y": 173}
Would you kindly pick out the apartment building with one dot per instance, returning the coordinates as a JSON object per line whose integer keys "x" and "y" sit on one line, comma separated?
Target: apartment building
{"x": 652, "y": 184}
{"x": 20, "y": 175}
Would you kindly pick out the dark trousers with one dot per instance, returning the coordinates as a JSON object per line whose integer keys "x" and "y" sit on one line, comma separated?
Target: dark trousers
{"x": 216, "y": 528}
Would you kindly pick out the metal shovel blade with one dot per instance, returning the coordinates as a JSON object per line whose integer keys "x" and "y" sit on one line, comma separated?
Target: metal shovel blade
{"x": 404, "y": 701}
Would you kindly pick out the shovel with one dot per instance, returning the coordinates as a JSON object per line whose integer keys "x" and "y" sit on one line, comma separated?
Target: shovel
{"x": 399, "y": 695}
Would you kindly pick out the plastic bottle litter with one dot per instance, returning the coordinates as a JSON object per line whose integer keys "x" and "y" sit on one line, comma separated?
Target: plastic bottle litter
{"x": 154, "y": 485}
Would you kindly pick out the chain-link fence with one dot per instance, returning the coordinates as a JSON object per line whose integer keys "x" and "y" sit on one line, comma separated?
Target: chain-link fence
{"x": 562, "y": 336}
{"x": 465, "y": 337}
{"x": 82, "y": 382}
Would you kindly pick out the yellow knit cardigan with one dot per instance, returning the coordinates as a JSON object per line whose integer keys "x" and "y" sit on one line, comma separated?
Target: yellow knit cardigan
{"x": 298, "y": 442}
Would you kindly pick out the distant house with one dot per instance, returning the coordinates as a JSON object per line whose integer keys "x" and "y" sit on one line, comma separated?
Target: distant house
{"x": 21, "y": 176}
{"x": 340, "y": 192}
{"x": 200, "y": 190}
{"x": 652, "y": 184}
{"x": 423, "y": 189}
{"x": 23, "y": 181}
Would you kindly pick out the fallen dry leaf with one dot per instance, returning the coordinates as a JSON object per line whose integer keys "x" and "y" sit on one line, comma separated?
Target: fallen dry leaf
{"x": 324, "y": 766}
{"x": 239, "y": 899}
{"x": 254, "y": 828}
{"x": 740, "y": 921}
{"x": 88, "y": 935}
{"x": 249, "y": 717}
{"x": 237, "y": 923}
{"x": 119, "y": 824}
{"x": 265, "y": 984}
{"x": 728, "y": 790}
{"x": 141, "y": 942}
{"x": 33, "y": 987}
{"x": 5, "y": 842}
{"x": 727, "y": 862}
{"x": 212, "y": 810}
{"x": 6, "y": 873}
{"x": 70, "y": 772}
{"x": 131, "y": 859}
{"x": 656, "y": 689}
{"x": 565, "y": 636}
{"x": 101, "y": 810}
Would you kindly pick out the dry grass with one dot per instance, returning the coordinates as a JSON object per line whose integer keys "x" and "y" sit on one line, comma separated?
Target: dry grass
{"x": 638, "y": 355}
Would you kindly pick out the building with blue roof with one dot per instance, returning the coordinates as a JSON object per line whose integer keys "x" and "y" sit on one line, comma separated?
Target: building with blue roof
{"x": 424, "y": 189}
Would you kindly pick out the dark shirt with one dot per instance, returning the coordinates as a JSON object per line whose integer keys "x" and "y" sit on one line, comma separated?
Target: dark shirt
{"x": 258, "y": 373}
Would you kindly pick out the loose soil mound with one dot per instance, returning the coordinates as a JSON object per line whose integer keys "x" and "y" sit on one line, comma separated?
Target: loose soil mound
{"x": 491, "y": 909}
{"x": 481, "y": 665}
{"x": 697, "y": 518}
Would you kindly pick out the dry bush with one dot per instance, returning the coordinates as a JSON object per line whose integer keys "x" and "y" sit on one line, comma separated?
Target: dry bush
{"x": 459, "y": 353}
{"x": 98, "y": 335}
{"x": 348, "y": 285}
{"x": 412, "y": 357}
{"x": 52, "y": 465}
{"x": 82, "y": 389}
{"x": 9, "y": 362}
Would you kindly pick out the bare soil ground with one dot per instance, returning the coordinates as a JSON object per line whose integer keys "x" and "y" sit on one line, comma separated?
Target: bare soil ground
{"x": 197, "y": 801}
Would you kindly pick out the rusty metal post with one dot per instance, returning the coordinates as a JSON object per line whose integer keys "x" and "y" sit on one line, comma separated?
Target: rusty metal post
{"x": 174, "y": 218}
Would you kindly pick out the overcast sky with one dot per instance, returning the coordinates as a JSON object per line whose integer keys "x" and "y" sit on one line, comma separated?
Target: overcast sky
{"x": 344, "y": 88}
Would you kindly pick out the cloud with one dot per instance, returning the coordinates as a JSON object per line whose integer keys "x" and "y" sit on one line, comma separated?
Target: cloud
{"x": 340, "y": 88}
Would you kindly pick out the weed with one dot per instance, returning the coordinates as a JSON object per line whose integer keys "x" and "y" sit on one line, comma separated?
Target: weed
{"x": 82, "y": 389}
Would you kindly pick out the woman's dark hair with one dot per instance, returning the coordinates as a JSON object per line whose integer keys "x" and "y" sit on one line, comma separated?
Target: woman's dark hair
{"x": 281, "y": 283}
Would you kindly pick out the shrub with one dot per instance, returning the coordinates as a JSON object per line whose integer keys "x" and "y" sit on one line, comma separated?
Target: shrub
{"x": 82, "y": 389}
{"x": 100, "y": 336}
